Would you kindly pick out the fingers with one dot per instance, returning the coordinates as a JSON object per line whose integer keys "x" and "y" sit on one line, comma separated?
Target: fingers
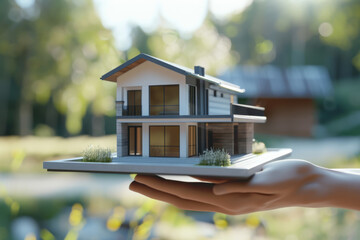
{"x": 203, "y": 193}
{"x": 212, "y": 180}
{"x": 175, "y": 200}
{"x": 199, "y": 196}
{"x": 257, "y": 184}
{"x": 196, "y": 191}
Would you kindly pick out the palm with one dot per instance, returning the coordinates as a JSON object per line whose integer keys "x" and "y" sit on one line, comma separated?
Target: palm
{"x": 278, "y": 185}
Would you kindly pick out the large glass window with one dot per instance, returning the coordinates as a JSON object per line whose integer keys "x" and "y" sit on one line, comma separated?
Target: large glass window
{"x": 164, "y": 141}
{"x": 192, "y": 141}
{"x": 164, "y": 100}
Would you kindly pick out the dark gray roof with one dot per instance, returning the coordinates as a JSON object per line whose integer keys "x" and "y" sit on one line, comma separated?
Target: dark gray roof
{"x": 272, "y": 81}
{"x": 132, "y": 63}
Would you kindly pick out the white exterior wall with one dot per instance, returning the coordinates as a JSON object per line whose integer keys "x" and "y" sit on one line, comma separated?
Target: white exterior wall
{"x": 219, "y": 105}
{"x": 147, "y": 74}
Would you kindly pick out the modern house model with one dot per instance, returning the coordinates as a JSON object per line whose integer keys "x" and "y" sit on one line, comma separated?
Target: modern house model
{"x": 167, "y": 110}
{"x": 167, "y": 115}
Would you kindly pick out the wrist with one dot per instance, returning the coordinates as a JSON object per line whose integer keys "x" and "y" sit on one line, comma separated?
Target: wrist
{"x": 340, "y": 189}
{"x": 344, "y": 189}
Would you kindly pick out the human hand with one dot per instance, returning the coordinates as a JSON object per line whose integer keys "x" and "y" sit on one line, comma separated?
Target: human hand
{"x": 280, "y": 184}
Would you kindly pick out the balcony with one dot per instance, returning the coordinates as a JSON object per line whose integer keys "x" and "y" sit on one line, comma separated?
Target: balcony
{"x": 127, "y": 110}
{"x": 164, "y": 110}
{"x": 242, "y": 109}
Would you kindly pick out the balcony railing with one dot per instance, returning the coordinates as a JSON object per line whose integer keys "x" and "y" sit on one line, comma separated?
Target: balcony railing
{"x": 164, "y": 109}
{"x": 242, "y": 109}
{"x": 127, "y": 110}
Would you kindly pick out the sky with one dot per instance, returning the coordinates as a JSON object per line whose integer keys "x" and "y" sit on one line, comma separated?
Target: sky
{"x": 186, "y": 16}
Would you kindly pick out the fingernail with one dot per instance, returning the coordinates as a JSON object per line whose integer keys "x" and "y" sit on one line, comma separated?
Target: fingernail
{"x": 131, "y": 186}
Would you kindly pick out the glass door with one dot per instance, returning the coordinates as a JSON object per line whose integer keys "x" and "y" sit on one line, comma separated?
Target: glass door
{"x": 135, "y": 140}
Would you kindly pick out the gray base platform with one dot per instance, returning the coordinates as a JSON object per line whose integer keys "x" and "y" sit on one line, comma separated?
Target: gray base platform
{"x": 243, "y": 166}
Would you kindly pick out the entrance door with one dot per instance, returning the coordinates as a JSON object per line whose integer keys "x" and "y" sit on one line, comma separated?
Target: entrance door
{"x": 134, "y": 102}
{"x": 135, "y": 140}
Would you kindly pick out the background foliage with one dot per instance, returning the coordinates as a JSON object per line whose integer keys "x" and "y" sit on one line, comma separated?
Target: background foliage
{"x": 52, "y": 54}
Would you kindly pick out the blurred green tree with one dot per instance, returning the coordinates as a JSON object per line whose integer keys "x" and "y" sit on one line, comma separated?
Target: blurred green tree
{"x": 286, "y": 33}
{"x": 52, "y": 54}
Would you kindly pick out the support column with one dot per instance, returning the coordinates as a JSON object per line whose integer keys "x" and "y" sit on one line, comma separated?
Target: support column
{"x": 122, "y": 139}
{"x": 201, "y": 137}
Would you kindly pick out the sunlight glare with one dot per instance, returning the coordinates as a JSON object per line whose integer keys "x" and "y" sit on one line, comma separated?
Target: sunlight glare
{"x": 185, "y": 16}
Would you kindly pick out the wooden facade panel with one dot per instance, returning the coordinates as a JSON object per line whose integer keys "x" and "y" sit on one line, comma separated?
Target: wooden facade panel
{"x": 223, "y": 137}
{"x": 245, "y": 137}
{"x": 114, "y": 76}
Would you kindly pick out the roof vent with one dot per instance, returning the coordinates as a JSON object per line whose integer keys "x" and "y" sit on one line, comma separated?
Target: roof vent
{"x": 199, "y": 70}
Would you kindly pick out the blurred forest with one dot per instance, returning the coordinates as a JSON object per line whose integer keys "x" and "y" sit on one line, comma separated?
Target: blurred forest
{"x": 53, "y": 53}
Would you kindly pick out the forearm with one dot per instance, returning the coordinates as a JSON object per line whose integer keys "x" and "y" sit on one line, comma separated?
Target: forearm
{"x": 322, "y": 187}
{"x": 344, "y": 189}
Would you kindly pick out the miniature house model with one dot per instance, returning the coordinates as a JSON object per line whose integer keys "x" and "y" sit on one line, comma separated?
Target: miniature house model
{"x": 167, "y": 110}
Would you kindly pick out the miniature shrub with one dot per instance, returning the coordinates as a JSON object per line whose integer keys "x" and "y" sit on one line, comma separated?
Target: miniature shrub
{"x": 215, "y": 158}
{"x": 96, "y": 154}
{"x": 258, "y": 147}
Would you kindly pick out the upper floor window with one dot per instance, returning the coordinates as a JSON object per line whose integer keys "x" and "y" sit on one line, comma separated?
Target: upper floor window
{"x": 134, "y": 103}
{"x": 164, "y": 100}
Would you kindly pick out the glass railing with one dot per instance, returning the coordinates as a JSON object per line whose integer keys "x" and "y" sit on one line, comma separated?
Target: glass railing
{"x": 127, "y": 110}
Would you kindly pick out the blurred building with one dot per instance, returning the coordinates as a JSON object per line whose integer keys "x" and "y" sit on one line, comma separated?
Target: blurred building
{"x": 288, "y": 95}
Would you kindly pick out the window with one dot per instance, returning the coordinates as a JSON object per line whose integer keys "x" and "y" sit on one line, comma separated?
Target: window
{"x": 164, "y": 100}
{"x": 222, "y": 95}
{"x": 206, "y": 102}
{"x": 215, "y": 93}
{"x": 164, "y": 141}
{"x": 192, "y": 141}
{"x": 134, "y": 103}
{"x": 135, "y": 140}
{"x": 192, "y": 100}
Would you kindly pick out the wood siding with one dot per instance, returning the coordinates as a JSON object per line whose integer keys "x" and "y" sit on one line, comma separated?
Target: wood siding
{"x": 245, "y": 137}
{"x": 223, "y": 136}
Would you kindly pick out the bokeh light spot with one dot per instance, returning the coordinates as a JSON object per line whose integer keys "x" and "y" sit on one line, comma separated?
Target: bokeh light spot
{"x": 325, "y": 29}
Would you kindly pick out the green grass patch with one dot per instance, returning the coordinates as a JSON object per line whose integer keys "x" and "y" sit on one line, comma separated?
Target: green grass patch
{"x": 215, "y": 157}
{"x": 96, "y": 154}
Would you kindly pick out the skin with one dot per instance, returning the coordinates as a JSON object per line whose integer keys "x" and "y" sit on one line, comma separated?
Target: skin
{"x": 280, "y": 184}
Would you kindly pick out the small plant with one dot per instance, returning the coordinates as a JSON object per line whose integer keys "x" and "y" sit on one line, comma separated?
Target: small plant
{"x": 96, "y": 154}
{"x": 215, "y": 157}
{"x": 258, "y": 147}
